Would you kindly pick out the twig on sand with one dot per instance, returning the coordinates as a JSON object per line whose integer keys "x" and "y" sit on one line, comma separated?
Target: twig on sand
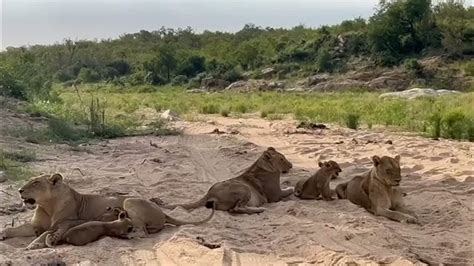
{"x": 78, "y": 169}
{"x": 153, "y": 144}
{"x": 7, "y": 193}
{"x": 203, "y": 242}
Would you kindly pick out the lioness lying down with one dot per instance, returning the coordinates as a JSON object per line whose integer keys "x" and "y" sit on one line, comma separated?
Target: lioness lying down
{"x": 259, "y": 184}
{"x": 148, "y": 218}
{"x": 378, "y": 190}
{"x": 58, "y": 206}
{"x": 318, "y": 184}
{"x": 91, "y": 231}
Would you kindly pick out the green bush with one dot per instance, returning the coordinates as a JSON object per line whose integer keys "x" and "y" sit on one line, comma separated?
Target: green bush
{"x": 179, "y": 80}
{"x": 455, "y": 125}
{"x": 209, "y": 108}
{"x": 412, "y": 66}
{"x": 352, "y": 121}
{"x": 224, "y": 111}
{"x": 88, "y": 75}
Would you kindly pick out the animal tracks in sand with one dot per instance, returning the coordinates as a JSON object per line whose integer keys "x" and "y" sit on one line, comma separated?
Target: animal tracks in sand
{"x": 288, "y": 232}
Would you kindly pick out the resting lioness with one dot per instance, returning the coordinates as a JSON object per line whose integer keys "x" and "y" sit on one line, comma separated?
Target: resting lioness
{"x": 259, "y": 184}
{"x": 378, "y": 190}
{"x": 148, "y": 218}
{"x": 91, "y": 231}
{"x": 57, "y": 205}
{"x": 318, "y": 184}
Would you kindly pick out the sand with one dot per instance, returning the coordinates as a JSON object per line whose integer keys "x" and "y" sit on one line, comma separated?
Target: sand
{"x": 438, "y": 178}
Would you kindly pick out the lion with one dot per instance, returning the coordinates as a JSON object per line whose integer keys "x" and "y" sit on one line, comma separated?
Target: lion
{"x": 378, "y": 190}
{"x": 258, "y": 185}
{"x": 318, "y": 184}
{"x": 58, "y": 206}
{"x": 91, "y": 231}
{"x": 148, "y": 218}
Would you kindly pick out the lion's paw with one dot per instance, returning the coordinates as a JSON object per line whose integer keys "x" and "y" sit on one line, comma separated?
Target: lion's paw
{"x": 51, "y": 240}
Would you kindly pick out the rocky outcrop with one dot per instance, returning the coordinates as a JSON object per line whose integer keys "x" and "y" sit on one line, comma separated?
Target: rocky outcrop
{"x": 213, "y": 84}
{"x": 255, "y": 85}
{"x": 416, "y": 93}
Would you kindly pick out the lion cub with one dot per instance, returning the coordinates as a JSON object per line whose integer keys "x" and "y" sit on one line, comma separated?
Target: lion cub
{"x": 148, "y": 218}
{"x": 318, "y": 184}
{"x": 91, "y": 231}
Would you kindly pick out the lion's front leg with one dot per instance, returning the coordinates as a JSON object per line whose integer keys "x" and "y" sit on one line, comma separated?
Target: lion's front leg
{"x": 19, "y": 231}
{"x": 39, "y": 242}
{"x": 59, "y": 230}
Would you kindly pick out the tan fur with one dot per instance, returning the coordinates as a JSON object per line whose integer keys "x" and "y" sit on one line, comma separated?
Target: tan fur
{"x": 378, "y": 190}
{"x": 91, "y": 231}
{"x": 259, "y": 184}
{"x": 58, "y": 206}
{"x": 148, "y": 218}
{"x": 318, "y": 184}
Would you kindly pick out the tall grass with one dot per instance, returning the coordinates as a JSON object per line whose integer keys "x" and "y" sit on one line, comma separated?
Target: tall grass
{"x": 12, "y": 164}
{"x": 456, "y": 112}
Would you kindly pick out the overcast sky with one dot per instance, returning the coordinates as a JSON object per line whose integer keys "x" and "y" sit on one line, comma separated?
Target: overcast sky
{"x": 47, "y": 21}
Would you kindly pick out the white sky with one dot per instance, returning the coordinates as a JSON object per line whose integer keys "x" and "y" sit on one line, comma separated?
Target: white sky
{"x": 47, "y": 21}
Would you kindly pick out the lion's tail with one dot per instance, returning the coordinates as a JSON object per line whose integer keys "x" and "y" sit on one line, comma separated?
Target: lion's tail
{"x": 190, "y": 205}
{"x": 341, "y": 191}
{"x": 177, "y": 222}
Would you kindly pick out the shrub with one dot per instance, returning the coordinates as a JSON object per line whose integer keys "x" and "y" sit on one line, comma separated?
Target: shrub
{"x": 241, "y": 108}
{"x": 323, "y": 60}
{"x": 412, "y": 66}
{"x": 224, "y": 111}
{"x": 88, "y": 75}
{"x": 275, "y": 116}
{"x": 454, "y": 124}
{"x": 352, "y": 120}
{"x": 209, "y": 108}
{"x": 179, "y": 80}
{"x": 435, "y": 125}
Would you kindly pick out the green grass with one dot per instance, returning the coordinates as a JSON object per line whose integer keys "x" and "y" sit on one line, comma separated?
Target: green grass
{"x": 13, "y": 164}
{"x": 352, "y": 121}
{"x": 456, "y": 114}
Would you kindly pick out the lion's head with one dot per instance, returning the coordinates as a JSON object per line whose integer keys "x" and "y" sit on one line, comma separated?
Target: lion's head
{"x": 121, "y": 227}
{"x": 388, "y": 169}
{"x": 276, "y": 159}
{"x": 41, "y": 189}
{"x": 331, "y": 167}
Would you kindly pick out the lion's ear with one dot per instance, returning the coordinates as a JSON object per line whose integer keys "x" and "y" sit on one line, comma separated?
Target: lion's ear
{"x": 397, "y": 158}
{"x": 267, "y": 155}
{"x": 376, "y": 160}
{"x": 55, "y": 178}
{"x": 320, "y": 164}
{"x": 122, "y": 215}
{"x": 271, "y": 149}
{"x": 118, "y": 210}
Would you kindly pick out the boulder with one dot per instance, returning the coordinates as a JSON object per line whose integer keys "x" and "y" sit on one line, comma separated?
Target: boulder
{"x": 255, "y": 85}
{"x": 214, "y": 84}
{"x": 3, "y": 177}
{"x": 313, "y": 80}
{"x": 416, "y": 93}
{"x": 170, "y": 115}
{"x": 268, "y": 73}
{"x": 339, "y": 85}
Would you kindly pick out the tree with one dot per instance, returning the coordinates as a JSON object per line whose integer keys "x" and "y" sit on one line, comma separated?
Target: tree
{"x": 452, "y": 19}
{"x": 167, "y": 60}
{"x": 401, "y": 27}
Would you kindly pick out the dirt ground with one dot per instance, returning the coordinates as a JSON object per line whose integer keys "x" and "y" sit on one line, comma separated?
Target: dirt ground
{"x": 437, "y": 175}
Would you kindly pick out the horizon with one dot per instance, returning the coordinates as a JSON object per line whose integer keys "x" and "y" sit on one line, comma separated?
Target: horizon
{"x": 40, "y": 22}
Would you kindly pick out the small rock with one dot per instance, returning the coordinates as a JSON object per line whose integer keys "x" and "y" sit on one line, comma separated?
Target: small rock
{"x": 3, "y": 177}
{"x": 170, "y": 115}
{"x": 389, "y": 142}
